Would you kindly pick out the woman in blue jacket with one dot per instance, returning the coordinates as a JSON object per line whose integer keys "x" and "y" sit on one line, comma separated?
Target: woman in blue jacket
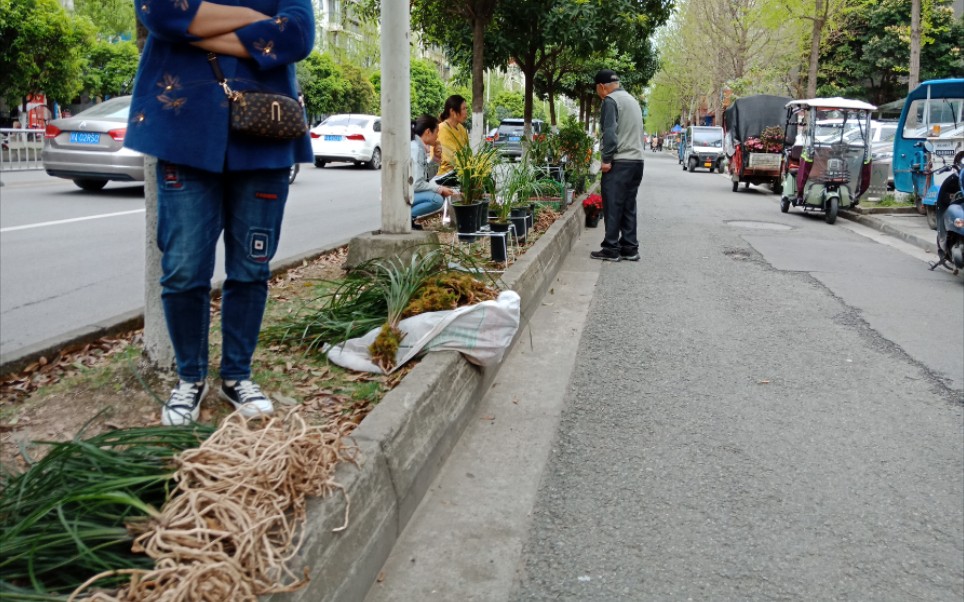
{"x": 211, "y": 181}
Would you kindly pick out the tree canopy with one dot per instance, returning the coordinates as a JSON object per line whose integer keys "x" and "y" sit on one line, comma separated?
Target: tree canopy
{"x": 43, "y": 50}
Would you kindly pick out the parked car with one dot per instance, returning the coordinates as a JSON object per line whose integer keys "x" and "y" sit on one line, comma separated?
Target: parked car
{"x": 508, "y": 137}
{"x": 490, "y": 137}
{"x": 88, "y": 147}
{"x": 348, "y": 138}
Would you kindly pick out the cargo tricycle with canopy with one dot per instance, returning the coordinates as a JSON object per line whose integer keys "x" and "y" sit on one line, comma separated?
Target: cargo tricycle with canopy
{"x": 753, "y": 140}
{"x": 834, "y": 166}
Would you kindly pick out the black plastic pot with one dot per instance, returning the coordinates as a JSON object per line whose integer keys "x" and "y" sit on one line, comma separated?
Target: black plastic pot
{"x": 467, "y": 221}
{"x": 519, "y": 220}
{"x": 499, "y": 244}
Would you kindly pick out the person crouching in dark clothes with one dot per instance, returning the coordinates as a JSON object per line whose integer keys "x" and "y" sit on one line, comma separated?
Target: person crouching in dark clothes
{"x": 621, "y": 122}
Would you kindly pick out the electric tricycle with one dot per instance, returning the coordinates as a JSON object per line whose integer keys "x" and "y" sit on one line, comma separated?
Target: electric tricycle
{"x": 834, "y": 150}
{"x": 933, "y": 113}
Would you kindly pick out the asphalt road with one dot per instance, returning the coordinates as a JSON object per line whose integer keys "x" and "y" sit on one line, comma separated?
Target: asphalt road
{"x": 765, "y": 407}
{"x": 69, "y": 258}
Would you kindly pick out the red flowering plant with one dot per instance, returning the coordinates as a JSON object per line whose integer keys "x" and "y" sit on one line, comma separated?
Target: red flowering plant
{"x": 592, "y": 203}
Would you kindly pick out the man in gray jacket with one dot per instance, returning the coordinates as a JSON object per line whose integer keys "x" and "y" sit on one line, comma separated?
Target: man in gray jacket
{"x": 621, "y": 122}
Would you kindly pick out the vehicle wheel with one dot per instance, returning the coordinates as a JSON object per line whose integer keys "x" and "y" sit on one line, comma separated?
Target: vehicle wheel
{"x": 777, "y": 188}
{"x": 831, "y": 215}
{"x": 90, "y": 185}
{"x": 932, "y": 217}
{"x": 376, "y": 161}
{"x": 784, "y": 204}
{"x": 320, "y": 162}
{"x": 691, "y": 165}
{"x": 293, "y": 173}
{"x": 736, "y": 185}
{"x": 918, "y": 204}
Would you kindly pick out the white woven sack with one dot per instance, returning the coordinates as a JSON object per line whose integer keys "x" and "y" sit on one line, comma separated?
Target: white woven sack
{"x": 482, "y": 332}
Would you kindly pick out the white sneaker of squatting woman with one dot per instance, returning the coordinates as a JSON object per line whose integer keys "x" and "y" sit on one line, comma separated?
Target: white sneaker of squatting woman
{"x": 184, "y": 404}
{"x": 247, "y": 397}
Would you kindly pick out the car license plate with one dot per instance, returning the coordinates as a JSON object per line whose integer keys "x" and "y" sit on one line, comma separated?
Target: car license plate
{"x": 514, "y": 138}
{"x": 84, "y": 138}
{"x": 707, "y": 164}
{"x": 331, "y": 138}
{"x": 944, "y": 151}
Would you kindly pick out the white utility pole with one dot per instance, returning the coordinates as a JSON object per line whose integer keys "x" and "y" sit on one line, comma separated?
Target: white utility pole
{"x": 396, "y": 122}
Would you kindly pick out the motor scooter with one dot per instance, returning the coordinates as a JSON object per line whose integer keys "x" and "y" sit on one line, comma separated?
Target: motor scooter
{"x": 950, "y": 217}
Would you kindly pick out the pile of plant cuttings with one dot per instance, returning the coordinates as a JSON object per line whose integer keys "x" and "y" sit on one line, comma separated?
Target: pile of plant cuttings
{"x": 232, "y": 510}
{"x": 379, "y": 294}
{"x": 76, "y": 512}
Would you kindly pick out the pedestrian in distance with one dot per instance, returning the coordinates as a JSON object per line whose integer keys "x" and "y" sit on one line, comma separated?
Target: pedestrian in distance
{"x": 429, "y": 196}
{"x": 452, "y": 134}
{"x": 212, "y": 180}
{"x": 621, "y": 148}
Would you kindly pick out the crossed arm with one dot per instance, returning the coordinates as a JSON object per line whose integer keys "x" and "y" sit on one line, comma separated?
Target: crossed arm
{"x": 216, "y": 24}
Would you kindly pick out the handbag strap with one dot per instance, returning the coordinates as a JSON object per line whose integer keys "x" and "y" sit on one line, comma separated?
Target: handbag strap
{"x": 219, "y": 75}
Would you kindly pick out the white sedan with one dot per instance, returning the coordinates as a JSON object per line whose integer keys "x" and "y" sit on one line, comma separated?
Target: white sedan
{"x": 348, "y": 138}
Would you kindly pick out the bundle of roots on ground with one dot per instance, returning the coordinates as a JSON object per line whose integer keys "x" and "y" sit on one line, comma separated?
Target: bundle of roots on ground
{"x": 234, "y": 524}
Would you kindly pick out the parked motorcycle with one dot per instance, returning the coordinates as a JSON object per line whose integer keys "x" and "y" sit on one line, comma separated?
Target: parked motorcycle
{"x": 950, "y": 217}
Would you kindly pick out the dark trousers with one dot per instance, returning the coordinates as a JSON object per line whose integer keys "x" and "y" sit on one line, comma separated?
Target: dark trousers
{"x": 619, "y": 187}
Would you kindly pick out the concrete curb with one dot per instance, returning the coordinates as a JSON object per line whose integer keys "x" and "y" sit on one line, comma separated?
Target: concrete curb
{"x": 870, "y": 221}
{"x": 404, "y": 442}
{"x": 133, "y": 320}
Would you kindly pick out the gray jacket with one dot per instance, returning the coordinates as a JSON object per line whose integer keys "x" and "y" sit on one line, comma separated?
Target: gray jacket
{"x": 420, "y": 179}
{"x": 621, "y": 121}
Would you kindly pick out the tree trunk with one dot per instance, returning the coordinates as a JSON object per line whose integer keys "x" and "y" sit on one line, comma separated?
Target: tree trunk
{"x": 158, "y": 350}
{"x": 478, "y": 82}
{"x": 914, "y": 70}
{"x": 819, "y": 18}
{"x": 552, "y": 107}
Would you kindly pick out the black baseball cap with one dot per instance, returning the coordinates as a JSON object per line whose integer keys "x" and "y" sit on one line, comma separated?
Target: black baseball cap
{"x": 606, "y": 76}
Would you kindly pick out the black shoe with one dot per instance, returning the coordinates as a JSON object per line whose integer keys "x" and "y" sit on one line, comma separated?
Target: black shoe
{"x": 416, "y": 226}
{"x": 631, "y": 256}
{"x": 247, "y": 397}
{"x": 604, "y": 256}
{"x": 184, "y": 405}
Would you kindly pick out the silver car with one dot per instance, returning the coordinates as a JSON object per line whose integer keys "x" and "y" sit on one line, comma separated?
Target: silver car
{"x": 88, "y": 147}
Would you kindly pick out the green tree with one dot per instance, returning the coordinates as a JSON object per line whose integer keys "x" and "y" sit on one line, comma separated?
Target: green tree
{"x": 323, "y": 84}
{"x": 113, "y": 19}
{"x": 359, "y": 95}
{"x": 42, "y": 50}
{"x": 537, "y": 32}
{"x": 428, "y": 89}
{"x": 506, "y": 104}
{"x": 110, "y": 68}
{"x": 868, "y": 57}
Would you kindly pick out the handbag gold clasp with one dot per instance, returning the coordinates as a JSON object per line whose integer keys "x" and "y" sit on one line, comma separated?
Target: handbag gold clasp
{"x": 276, "y": 111}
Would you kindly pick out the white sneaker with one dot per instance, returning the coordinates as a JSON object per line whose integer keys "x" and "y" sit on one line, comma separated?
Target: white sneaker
{"x": 247, "y": 397}
{"x": 184, "y": 404}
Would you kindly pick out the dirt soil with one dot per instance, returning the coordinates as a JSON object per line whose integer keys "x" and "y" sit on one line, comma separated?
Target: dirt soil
{"x": 109, "y": 385}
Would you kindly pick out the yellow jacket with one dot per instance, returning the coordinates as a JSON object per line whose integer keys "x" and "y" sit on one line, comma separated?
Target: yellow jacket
{"x": 451, "y": 140}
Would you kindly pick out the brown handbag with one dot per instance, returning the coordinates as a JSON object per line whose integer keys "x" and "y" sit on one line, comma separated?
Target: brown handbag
{"x": 265, "y": 115}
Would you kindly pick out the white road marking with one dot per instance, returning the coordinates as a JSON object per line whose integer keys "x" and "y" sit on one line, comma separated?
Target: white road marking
{"x": 70, "y": 221}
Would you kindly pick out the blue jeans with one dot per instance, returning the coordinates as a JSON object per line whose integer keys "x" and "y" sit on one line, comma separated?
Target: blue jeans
{"x": 426, "y": 202}
{"x": 193, "y": 208}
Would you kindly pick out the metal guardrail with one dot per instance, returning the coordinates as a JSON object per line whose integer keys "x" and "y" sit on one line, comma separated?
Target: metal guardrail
{"x": 20, "y": 149}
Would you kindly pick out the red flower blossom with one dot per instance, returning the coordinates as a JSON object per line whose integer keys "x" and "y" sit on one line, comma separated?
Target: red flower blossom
{"x": 593, "y": 201}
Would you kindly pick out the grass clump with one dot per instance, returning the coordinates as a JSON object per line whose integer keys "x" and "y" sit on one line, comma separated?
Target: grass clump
{"x": 75, "y": 512}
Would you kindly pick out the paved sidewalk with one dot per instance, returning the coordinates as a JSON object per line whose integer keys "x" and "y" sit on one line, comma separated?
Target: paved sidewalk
{"x": 901, "y": 223}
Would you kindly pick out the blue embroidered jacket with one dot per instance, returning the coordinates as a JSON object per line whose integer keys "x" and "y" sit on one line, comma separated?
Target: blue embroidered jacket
{"x": 179, "y": 113}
